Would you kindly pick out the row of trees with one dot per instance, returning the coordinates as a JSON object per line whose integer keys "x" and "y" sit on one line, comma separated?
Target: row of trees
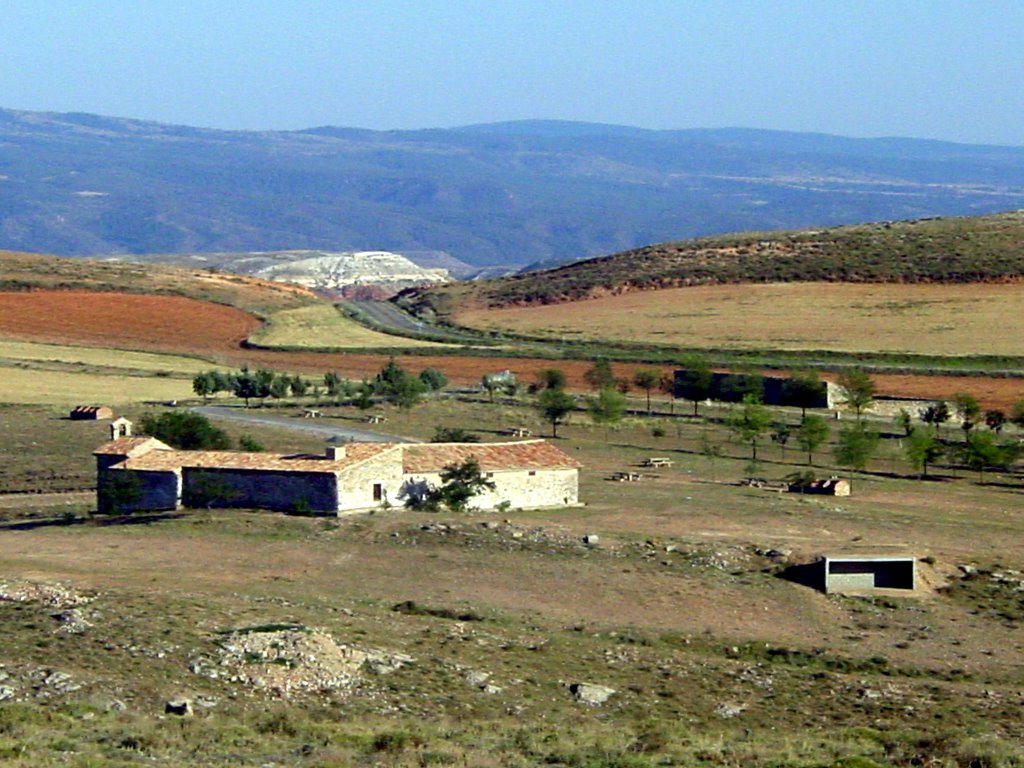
{"x": 393, "y": 383}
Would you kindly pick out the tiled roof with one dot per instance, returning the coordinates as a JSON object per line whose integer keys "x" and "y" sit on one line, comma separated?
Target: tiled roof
{"x": 131, "y": 446}
{"x": 529, "y": 454}
{"x": 274, "y": 462}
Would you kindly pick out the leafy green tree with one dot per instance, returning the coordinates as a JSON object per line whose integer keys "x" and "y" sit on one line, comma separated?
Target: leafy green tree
{"x": 923, "y": 448}
{"x": 551, "y": 378}
{"x": 408, "y": 392}
{"x": 667, "y": 385}
{"x": 453, "y": 435}
{"x": 280, "y": 386}
{"x": 460, "y": 483}
{"x": 298, "y": 386}
{"x": 858, "y": 390}
{"x": 433, "y": 379}
{"x": 250, "y": 444}
{"x": 364, "y": 396}
{"x": 607, "y": 408}
{"x": 204, "y": 384}
{"x": 904, "y": 421}
{"x": 244, "y": 386}
{"x": 936, "y": 414}
{"x": 740, "y": 386}
{"x": 555, "y": 405}
{"x": 749, "y": 423}
{"x": 332, "y": 383}
{"x": 264, "y": 383}
{"x": 647, "y": 379}
{"x": 995, "y": 420}
{"x": 967, "y": 410}
{"x": 600, "y": 375}
{"x": 855, "y": 447}
{"x": 693, "y": 380}
{"x": 803, "y": 389}
{"x": 222, "y": 382}
{"x": 186, "y": 430}
{"x": 780, "y": 435}
{"x": 811, "y": 435}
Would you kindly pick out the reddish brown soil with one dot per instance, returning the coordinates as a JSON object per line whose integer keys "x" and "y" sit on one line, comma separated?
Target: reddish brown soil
{"x": 176, "y": 324}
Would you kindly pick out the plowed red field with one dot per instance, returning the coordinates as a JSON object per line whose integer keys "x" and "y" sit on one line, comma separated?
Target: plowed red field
{"x": 181, "y": 325}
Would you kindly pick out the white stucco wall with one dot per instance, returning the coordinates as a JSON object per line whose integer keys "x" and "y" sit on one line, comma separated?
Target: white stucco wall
{"x": 355, "y": 485}
{"x": 520, "y": 488}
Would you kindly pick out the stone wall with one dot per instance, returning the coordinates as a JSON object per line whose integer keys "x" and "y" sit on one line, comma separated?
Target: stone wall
{"x": 282, "y": 491}
{"x": 520, "y": 488}
{"x": 133, "y": 490}
{"x": 356, "y": 485}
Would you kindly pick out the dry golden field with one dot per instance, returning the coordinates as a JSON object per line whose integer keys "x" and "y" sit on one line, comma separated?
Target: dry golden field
{"x": 323, "y": 326}
{"x": 923, "y": 319}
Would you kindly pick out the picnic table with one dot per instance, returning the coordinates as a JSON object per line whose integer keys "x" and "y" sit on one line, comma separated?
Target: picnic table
{"x": 519, "y": 432}
{"x": 627, "y": 477}
{"x": 311, "y": 413}
{"x": 657, "y": 461}
{"x": 375, "y": 418}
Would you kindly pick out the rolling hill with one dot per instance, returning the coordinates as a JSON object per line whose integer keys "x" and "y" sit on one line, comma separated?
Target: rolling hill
{"x": 501, "y": 194}
{"x": 941, "y": 250}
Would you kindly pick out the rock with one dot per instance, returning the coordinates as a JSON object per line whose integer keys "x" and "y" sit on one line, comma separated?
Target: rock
{"x": 591, "y": 539}
{"x": 968, "y": 570}
{"x": 590, "y": 693}
{"x": 493, "y": 690}
{"x": 179, "y": 707}
{"x": 116, "y": 705}
{"x": 728, "y": 710}
{"x": 476, "y": 678}
{"x": 6, "y": 692}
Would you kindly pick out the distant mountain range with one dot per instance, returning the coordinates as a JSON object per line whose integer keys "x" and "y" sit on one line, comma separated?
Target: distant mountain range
{"x": 501, "y": 194}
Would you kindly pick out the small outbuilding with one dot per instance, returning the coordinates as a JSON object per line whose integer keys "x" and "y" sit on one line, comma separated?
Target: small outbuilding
{"x": 90, "y": 413}
{"x": 866, "y": 571}
{"x": 833, "y": 486}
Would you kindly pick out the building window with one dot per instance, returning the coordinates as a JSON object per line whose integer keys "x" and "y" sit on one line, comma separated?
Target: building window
{"x": 533, "y": 472}
{"x": 488, "y": 474}
{"x": 378, "y": 491}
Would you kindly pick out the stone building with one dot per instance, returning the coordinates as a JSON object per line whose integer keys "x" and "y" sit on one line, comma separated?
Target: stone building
{"x": 142, "y": 473}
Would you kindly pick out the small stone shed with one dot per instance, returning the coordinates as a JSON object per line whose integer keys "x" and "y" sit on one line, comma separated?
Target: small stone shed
{"x": 90, "y": 413}
{"x": 832, "y": 486}
{"x": 866, "y": 571}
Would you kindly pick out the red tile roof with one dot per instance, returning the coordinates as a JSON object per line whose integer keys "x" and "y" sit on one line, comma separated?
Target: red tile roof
{"x": 355, "y": 453}
{"x": 131, "y": 446}
{"x": 529, "y": 454}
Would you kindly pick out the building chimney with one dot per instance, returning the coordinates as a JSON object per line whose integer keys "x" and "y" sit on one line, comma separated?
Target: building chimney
{"x": 120, "y": 428}
{"x": 335, "y": 452}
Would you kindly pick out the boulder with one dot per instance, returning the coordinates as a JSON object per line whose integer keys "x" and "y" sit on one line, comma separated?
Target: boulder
{"x": 179, "y": 707}
{"x": 590, "y": 693}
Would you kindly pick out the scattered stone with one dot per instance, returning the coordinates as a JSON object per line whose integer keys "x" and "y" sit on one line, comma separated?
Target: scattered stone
{"x": 591, "y": 539}
{"x": 49, "y": 595}
{"x": 116, "y": 705}
{"x": 728, "y": 710}
{"x": 590, "y": 693}
{"x": 477, "y": 679}
{"x": 492, "y": 690}
{"x": 6, "y": 692}
{"x": 179, "y": 707}
{"x": 72, "y": 622}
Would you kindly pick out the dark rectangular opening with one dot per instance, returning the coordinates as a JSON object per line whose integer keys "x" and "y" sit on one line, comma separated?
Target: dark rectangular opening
{"x": 378, "y": 491}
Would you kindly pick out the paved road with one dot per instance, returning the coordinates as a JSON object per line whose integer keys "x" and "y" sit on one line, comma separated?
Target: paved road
{"x": 354, "y": 434}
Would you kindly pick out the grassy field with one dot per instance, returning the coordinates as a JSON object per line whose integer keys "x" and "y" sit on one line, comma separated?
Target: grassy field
{"x": 32, "y": 385}
{"x": 714, "y": 659}
{"x": 954, "y": 320}
{"x": 324, "y": 327}
{"x": 29, "y": 352}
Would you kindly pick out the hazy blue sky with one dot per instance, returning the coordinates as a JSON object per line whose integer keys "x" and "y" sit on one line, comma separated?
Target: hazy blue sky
{"x": 947, "y": 70}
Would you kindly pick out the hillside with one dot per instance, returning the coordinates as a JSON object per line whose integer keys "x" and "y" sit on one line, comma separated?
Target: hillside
{"x": 27, "y": 271}
{"x": 944, "y": 250}
{"x": 503, "y": 194}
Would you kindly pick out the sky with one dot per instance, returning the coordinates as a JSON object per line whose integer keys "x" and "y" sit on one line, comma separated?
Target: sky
{"x": 915, "y": 68}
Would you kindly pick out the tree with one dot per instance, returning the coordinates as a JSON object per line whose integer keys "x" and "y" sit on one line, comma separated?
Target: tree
{"x": 250, "y": 444}
{"x": 453, "y": 435}
{"x": 555, "y": 405}
{"x": 244, "y": 386}
{"x": 995, "y": 420}
{"x": 856, "y": 446}
{"x": 667, "y": 385}
{"x": 811, "y": 434}
{"x": 363, "y": 399}
{"x": 693, "y": 381}
{"x": 332, "y": 383}
{"x": 982, "y": 452}
{"x": 780, "y": 436}
{"x": 460, "y": 483}
{"x": 551, "y": 378}
{"x": 647, "y": 379}
{"x": 923, "y": 449}
{"x": 904, "y": 421}
{"x": 394, "y": 383}
{"x": 936, "y": 414}
{"x": 967, "y": 410}
{"x": 186, "y": 430}
{"x": 607, "y": 408}
{"x": 433, "y": 379}
{"x": 803, "y": 389}
{"x": 204, "y": 384}
{"x": 738, "y": 386}
{"x": 1017, "y": 413}
{"x": 264, "y": 383}
{"x": 299, "y": 386}
{"x": 750, "y": 422}
{"x": 600, "y": 375}
{"x": 280, "y": 386}
{"x": 858, "y": 390}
